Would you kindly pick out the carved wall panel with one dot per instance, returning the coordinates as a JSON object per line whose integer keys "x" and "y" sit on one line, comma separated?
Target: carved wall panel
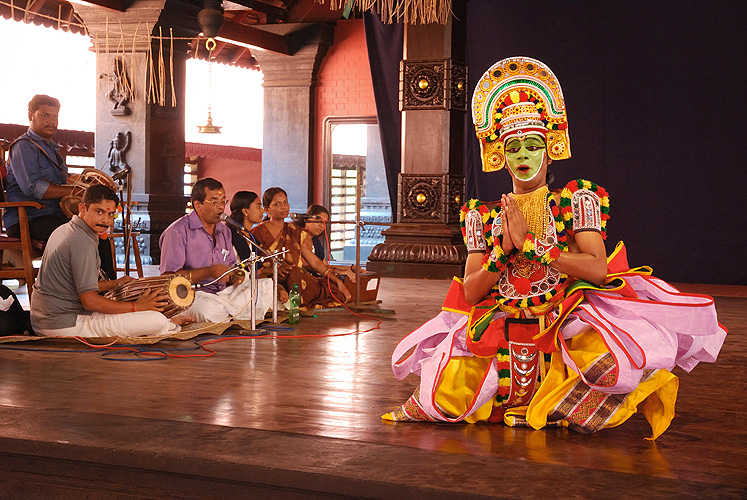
{"x": 430, "y": 198}
{"x": 432, "y": 84}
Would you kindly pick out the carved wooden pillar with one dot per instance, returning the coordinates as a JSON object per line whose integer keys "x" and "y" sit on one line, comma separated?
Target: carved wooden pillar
{"x": 156, "y": 146}
{"x": 426, "y": 240}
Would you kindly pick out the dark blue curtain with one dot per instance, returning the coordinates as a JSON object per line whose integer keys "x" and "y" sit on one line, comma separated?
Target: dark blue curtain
{"x": 384, "y": 43}
{"x": 654, "y": 99}
{"x": 655, "y": 109}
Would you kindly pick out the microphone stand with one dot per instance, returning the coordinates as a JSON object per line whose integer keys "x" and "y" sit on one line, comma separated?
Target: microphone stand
{"x": 253, "y": 284}
{"x": 245, "y": 234}
{"x": 124, "y": 176}
{"x": 127, "y": 222}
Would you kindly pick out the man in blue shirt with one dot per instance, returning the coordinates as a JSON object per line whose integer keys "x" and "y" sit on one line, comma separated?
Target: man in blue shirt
{"x": 37, "y": 172}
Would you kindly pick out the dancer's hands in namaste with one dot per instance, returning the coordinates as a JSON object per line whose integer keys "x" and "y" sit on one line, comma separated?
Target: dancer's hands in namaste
{"x": 514, "y": 225}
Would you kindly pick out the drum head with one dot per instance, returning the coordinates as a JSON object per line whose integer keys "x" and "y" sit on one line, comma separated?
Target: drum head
{"x": 180, "y": 292}
{"x": 69, "y": 205}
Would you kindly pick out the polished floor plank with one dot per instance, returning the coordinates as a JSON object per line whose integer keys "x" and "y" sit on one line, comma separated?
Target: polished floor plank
{"x": 325, "y": 395}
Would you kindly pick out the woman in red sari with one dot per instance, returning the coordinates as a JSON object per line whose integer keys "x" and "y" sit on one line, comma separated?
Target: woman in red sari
{"x": 275, "y": 234}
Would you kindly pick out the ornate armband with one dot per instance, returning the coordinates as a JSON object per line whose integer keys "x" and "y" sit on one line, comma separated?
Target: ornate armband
{"x": 473, "y": 217}
{"x": 496, "y": 260}
{"x": 585, "y": 207}
{"x": 539, "y": 251}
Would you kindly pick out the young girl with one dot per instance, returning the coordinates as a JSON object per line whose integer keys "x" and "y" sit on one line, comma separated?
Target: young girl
{"x": 246, "y": 209}
{"x": 317, "y": 224}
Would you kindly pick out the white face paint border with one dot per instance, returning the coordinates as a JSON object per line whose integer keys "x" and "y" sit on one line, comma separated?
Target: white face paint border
{"x": 521, "y": 136}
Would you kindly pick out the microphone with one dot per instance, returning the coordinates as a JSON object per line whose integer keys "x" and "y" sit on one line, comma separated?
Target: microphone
{"x": 230, "y": 222}
{"x": 295, "y": 216}
{"x": 241, "y": 230}
{"x": 121, "y": 174}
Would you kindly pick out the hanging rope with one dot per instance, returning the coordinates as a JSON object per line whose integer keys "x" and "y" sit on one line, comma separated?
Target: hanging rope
{"x": 392, "y": 11}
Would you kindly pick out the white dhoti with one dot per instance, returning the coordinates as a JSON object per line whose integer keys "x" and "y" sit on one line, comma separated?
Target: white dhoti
{"x": 132, "y": 324}
{"x": 231, "y": 302}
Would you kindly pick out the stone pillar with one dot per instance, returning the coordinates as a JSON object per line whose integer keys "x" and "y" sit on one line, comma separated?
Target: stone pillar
{"x": 426, "y": 240}
{"x": 155, "y": 131}
{"x": 287, "y": 140}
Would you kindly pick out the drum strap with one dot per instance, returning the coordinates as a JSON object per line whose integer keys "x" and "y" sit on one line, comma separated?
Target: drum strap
{"x": 56, "y": 162}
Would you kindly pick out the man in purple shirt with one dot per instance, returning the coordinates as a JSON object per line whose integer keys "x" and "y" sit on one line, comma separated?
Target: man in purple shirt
{"x": 199, "y": 247}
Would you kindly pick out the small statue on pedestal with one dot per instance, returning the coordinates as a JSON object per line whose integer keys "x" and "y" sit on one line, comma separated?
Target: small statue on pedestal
{"x": 117, "y": 150}
{"x": 120, "y": 92}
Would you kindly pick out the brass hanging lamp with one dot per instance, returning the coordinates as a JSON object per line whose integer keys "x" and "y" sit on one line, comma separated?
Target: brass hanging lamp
{"x": 210, "y": 19}
{"x": 209, "y": 128}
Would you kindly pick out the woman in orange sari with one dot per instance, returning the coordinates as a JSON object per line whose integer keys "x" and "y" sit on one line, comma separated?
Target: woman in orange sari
{"x": 274, "y": 234}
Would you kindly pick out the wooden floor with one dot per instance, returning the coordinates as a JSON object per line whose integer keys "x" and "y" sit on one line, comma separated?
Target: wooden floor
{"x": 289, "y": 417}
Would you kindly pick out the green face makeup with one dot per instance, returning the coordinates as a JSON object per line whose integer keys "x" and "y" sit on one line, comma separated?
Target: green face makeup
{"x": 524, "y": 157}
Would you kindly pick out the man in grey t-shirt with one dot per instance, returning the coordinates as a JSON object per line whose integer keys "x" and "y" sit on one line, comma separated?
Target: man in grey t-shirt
{"x": 66, "y": 301}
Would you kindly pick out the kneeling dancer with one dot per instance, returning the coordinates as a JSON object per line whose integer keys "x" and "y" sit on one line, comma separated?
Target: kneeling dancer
{"x": 545, "y": 329}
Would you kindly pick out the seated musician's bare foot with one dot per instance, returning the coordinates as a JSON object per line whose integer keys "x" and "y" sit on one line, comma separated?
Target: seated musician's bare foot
{"x": 182, "y": 320}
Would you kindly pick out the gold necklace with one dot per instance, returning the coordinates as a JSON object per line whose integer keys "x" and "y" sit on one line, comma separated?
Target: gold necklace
{"x": 534, "y": 208}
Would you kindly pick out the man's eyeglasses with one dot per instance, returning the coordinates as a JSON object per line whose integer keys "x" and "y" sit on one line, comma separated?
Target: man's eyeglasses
{"x": 221, "y": 202}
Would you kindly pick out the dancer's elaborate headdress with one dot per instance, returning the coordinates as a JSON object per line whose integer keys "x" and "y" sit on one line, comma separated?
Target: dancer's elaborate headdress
{"x": 515, "y": 97}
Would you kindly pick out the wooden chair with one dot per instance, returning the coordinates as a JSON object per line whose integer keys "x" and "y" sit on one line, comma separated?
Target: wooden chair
{"x": 25, "y": 244}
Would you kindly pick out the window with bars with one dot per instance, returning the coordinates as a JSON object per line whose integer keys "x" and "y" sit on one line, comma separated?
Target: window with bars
{"x": 190, "y": 177}
{"x": 343, "y": 181}
{"x": 353, "y": 148}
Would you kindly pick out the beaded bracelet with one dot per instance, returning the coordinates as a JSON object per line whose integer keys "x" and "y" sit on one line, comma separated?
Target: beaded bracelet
{"x": 496, "y": 260}
{"x": 538, "y": 251}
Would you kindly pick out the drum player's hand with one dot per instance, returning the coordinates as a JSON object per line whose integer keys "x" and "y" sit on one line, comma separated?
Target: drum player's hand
{"x": 237, "y": 277}
{"x": 218, "y": 269}
{"x": 123, "y": 280}
{"x": 153, "y": 300}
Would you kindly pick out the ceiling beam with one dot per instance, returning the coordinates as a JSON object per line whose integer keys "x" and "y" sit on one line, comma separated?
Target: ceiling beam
{"x": 69, "y": 18}
{"x": 219, "y": 46}
{"x": 274, "y": 14}
{"x": 118, "y": 5}
{"x": 240, "y": 51}
{"x": 34, "y": 8}
{"x": 249, "y": 35}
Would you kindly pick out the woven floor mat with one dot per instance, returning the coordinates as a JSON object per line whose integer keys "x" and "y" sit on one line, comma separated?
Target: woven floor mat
{"x": 186, "y": 333}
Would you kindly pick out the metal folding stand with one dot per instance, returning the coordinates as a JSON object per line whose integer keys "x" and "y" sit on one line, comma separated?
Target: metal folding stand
{"x": 253, "y": 274}
{"x": 124, "y": 178}
{"x": 250, "y": 262}
{"x": 275, "y": 290}
{"x": 253, "y": 283}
